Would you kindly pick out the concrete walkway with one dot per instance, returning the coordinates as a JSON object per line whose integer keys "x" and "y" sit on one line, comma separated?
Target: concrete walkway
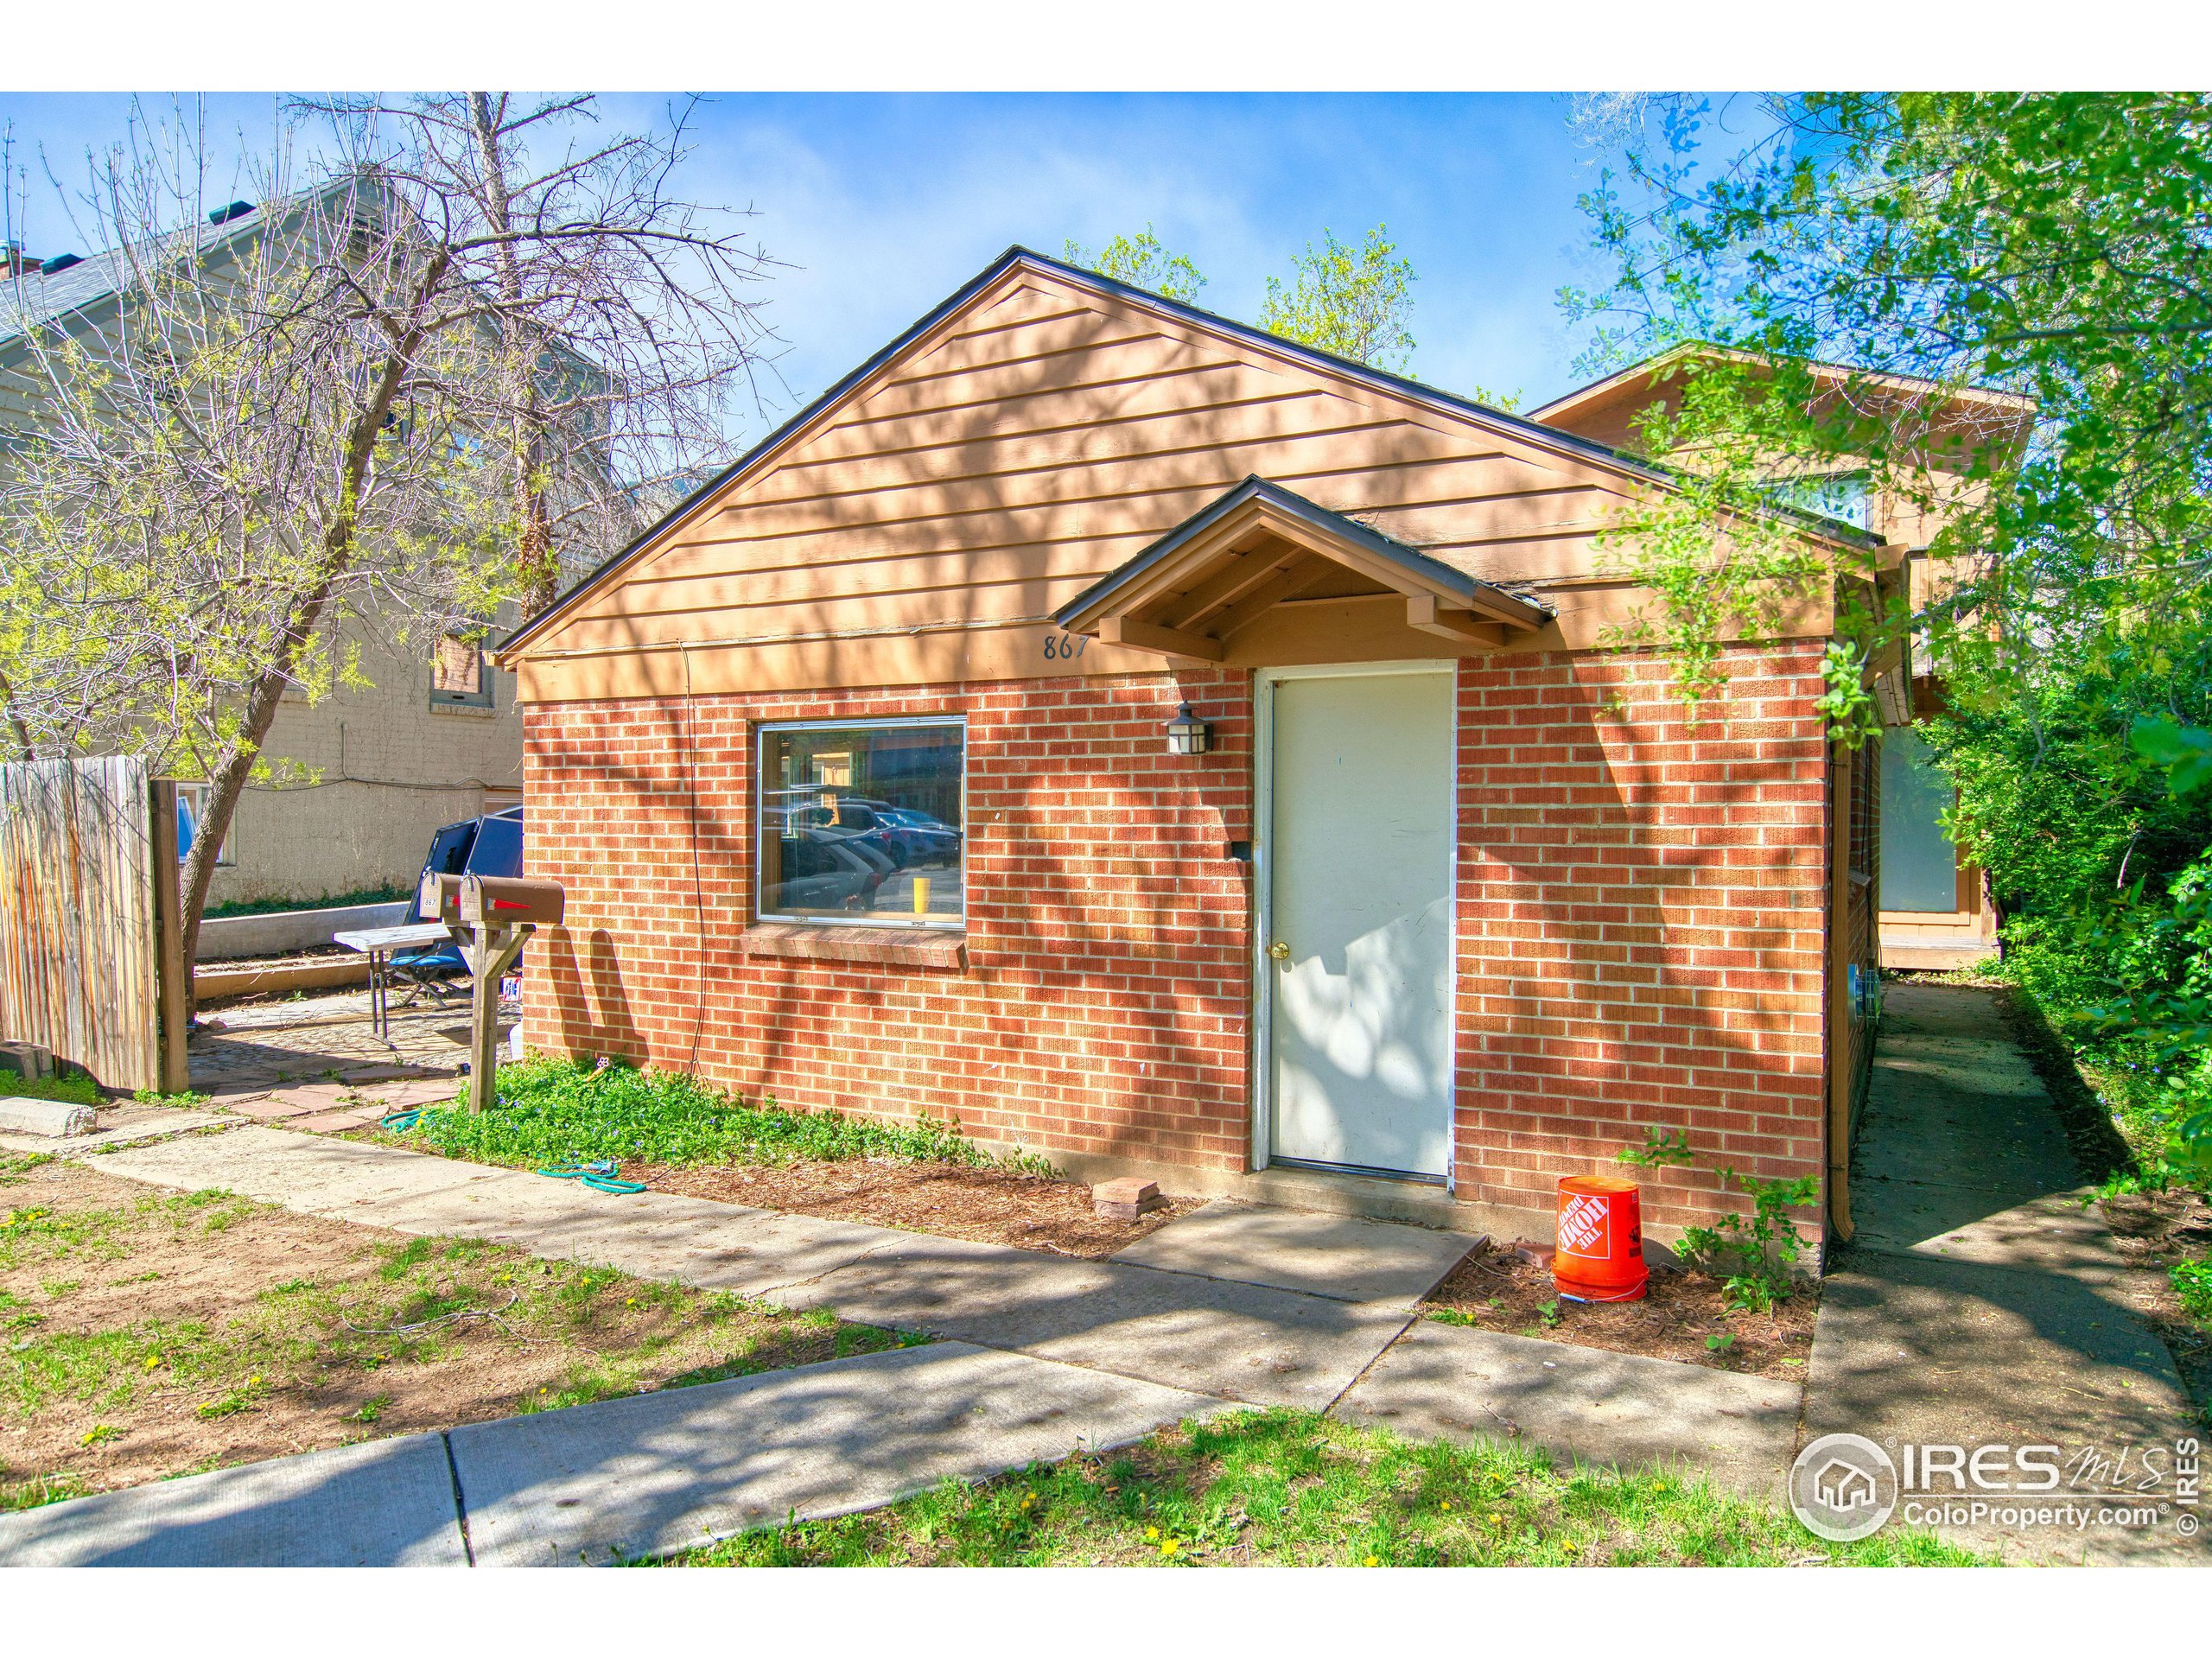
{"x": 632, "y": 1477}
{"x": 1039, "y": 1355}
{"x": 1981, "y": 1303}
{"x": 246, "y": 1048}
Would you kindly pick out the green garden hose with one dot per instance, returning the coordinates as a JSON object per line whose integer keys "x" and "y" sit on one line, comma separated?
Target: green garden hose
{"x": 599, "y": 1176}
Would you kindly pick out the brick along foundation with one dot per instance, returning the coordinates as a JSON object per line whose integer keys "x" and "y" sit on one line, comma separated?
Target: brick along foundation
{"x": 1641, "y": 919}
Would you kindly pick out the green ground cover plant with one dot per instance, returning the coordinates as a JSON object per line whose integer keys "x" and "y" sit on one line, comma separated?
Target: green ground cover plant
{"x": 328, "y": 901}
{"x": 77, "y": 1088}
{"x": 554, "y": 1111}
{"x": 1289, "y": 1488}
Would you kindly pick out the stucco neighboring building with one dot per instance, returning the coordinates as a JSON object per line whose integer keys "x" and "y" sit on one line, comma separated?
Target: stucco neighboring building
{"x": 435, "y": 740}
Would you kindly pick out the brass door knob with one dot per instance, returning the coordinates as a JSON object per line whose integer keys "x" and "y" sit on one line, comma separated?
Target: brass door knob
{"x": 1280, "y": 951}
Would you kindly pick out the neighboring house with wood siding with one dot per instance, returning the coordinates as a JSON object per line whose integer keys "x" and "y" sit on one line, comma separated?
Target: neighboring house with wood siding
{"x": 364, "y": 775}
{"x": 1170, "y": 749}
{"x": 1935, "y": 908}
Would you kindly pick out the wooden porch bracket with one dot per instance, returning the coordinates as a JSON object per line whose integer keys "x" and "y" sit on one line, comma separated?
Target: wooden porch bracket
{"x": 1461, "y": 627}
{"x": 1150, "y": 636}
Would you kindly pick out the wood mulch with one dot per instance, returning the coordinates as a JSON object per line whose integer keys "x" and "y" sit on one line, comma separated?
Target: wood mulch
{"x": 992, "y": 1206}
{"x": 1496, "y": 1290}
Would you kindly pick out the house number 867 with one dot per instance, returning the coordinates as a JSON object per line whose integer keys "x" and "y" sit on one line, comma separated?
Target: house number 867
{"x": 1065, "y": 646}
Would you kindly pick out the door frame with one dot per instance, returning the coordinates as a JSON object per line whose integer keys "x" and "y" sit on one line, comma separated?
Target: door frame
{"x": 1264, "y": 681}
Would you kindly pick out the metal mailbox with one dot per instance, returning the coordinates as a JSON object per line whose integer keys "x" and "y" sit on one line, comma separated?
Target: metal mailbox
{"x": 438, "y": 899}
{"x": 510, "y": 900}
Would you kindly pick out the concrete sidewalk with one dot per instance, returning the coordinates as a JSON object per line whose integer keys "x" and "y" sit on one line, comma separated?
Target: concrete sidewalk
{"x": 1983, "y": 1302}
{"x": 627, "y": 1477}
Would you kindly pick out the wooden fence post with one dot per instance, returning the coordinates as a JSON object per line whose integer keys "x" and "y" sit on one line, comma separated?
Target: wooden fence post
{"x": 173, "y": 974}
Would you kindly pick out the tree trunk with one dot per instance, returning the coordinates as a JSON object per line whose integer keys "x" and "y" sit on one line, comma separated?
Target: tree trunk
{"x": 225, "y": 782}
{"x": 28, "y": 749}
{"x": 232, "y": 771}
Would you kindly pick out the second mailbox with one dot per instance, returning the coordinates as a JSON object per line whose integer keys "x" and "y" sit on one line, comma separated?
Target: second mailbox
{"x": 509, "y": 900}
{"x": 439, "y": 898}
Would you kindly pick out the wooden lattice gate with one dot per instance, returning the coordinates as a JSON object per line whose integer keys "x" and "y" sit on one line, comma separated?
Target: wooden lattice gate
{"x": 91, "y": 964}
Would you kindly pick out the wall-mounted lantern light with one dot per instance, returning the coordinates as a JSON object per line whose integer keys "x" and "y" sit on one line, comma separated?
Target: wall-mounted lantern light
{"x": 1187, "y": 734}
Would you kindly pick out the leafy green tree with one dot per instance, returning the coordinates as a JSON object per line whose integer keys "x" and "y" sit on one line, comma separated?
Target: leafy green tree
{"x": 1142, "y": 261}
{"x": 2050, "y": 244}
{"x": 1352, "y": 302}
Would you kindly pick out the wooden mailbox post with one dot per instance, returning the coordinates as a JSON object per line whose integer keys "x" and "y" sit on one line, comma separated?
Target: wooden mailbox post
{"x": 493, "y": 916}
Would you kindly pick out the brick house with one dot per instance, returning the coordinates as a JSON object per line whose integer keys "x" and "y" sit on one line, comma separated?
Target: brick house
{"x": 1170, "y": 749}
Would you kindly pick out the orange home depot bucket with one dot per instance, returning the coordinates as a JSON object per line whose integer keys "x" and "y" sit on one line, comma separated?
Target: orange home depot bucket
{"x": 1600, "y": 1257}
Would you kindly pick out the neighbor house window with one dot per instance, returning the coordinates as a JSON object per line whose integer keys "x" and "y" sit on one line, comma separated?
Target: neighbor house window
{"x": 863, "y": 820}
{"x": 458, "y": 677}
{"x": 1839, "y": 496}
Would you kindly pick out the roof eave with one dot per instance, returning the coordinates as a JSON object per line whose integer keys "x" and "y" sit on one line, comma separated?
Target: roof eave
{"x": 1096, "y": 599}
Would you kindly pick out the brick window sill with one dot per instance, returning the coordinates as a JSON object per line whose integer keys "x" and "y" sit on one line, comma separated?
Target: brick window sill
{"x": 897, "y": 947}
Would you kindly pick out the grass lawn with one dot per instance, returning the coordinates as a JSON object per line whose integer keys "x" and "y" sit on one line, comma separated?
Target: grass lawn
{"x": 1289, "y": 1489}
{"x": 680, "y": 1136}
{"x": 146, "y": 1334}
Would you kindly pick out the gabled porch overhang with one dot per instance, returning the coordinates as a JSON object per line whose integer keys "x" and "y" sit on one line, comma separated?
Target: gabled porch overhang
{"x": 1264, "y": 575}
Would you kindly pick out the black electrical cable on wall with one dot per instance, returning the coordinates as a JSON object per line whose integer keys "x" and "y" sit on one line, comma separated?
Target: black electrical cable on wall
{"x": 698, "y": 887}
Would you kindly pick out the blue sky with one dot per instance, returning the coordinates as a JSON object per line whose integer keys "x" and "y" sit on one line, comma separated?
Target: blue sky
{"x": 884, "y": 204}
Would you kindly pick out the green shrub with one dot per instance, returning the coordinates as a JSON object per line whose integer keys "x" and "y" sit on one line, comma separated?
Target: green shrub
{"x": 1754, "y": 1253}
{"x": 2193, "y": 1284}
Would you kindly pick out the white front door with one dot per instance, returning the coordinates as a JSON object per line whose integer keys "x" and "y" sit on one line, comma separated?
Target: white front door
{"x": 1357, "y": 931}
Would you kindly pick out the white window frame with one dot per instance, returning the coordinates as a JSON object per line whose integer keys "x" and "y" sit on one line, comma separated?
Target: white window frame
{"x": 483, "y": 697}
{"x": 768, "y": 729}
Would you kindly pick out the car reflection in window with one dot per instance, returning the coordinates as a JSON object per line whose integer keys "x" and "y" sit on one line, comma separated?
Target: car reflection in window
{"x": 825, "y": 869}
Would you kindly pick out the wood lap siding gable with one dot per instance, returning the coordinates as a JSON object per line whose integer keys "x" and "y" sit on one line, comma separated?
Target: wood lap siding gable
{"x": 923, "y": 525}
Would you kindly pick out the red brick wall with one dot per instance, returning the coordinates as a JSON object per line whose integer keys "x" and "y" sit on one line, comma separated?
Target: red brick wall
{"x": 1642, "y": 904}
{"x": 1104, "y": 1008}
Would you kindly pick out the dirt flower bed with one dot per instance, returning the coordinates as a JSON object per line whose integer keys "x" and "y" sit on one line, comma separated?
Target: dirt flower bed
{"x": 146, "y": 1334}
{"x": 992, "y": 1207}
{"x": 2169, "y": 1234}
{"x": 1683, "y": 1317}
